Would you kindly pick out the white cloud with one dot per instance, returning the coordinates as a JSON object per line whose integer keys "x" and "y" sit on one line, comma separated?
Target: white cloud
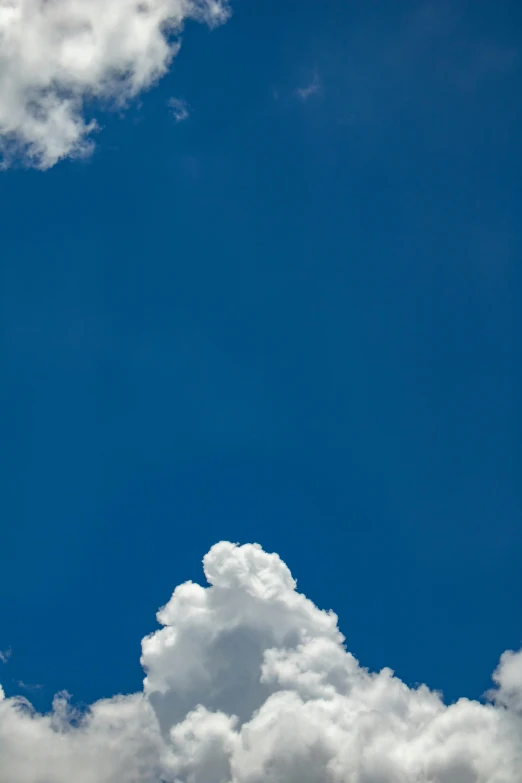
{"x": 247, "y": 681}
{"x": 312, "y": 88}
{"x": 179, "y": 108}
{"x": 5, "y": 655}
{"x": 57, "y": 56}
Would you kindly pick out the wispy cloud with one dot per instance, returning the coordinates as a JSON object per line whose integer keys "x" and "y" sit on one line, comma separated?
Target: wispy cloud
{"x": 179, "y": 108}
{"x": 28, "y": 687}
{"x": 5, "y": 655}
{"x": 312, "y": 88}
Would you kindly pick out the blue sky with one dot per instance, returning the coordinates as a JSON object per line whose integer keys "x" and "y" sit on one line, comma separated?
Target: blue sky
{"x": 292, "y": 318}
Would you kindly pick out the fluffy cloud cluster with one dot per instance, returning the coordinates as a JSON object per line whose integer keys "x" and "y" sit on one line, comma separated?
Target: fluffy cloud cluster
{"x": 248, "y": 681}
{"x": 56, "y": 55}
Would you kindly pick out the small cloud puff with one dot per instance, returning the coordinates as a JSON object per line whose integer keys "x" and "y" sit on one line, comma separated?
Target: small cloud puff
{"x": 312, "y": 88}
{"x": 247, "y": 681}
{"x": 56, "y": 56}
{"x": 179, "y": 109}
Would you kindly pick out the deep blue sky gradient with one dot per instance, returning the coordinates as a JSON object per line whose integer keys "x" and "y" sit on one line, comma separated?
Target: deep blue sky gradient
{"x": 284, "y": 321}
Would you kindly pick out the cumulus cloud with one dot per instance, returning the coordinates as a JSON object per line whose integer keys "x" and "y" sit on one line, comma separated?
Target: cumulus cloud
{"x": 58, "y": 56}
{"x": 247, "y": 681}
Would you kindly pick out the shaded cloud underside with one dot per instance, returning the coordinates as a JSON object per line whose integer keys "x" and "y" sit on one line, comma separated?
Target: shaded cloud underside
{"x": 248, "y": 681}
{"x": 56, "y": 56}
